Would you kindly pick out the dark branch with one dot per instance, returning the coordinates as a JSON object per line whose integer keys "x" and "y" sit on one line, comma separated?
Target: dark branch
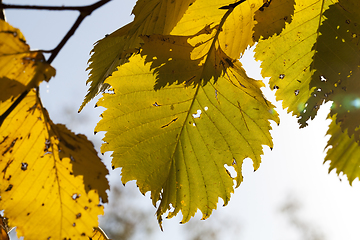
{"x": 2, "y": 14}
{"x": 84, "y": 12}
{"x": 53, "y": 8}
{"x": 12, "y": 107}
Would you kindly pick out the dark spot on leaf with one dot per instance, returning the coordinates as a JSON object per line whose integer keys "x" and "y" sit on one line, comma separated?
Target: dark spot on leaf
{"x": 297, "y": 91}
{"x": 281, "y": 76}
{"x": 43, "y": 204}
{"x": 8, "y": 179}
{"x": 4, "y": 140}
{"x": 11, "y": 146}
{"x": 174, "y": 120}
{"x": 72, "y": 158}
{"x": 78, "y": 215}
{"x": 90, "y": 200}
{"x": 347, "y": 21}
{"x": 9, "y": 188}
{"x": 24, "y": 166}
{"x": 86, "y": 208}
{"x": 113, "y": 167}
{"x": 266, "y": 4}
{"x": 74, "y": 224}
{"x": 276, "y": 87}
{"x": 298, "y": 81}
{"x": 95, "y": 132}
{"x": 28, "y": 214}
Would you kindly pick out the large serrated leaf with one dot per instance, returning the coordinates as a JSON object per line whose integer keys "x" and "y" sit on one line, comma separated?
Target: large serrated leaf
{"x": 337, "y": 67}
{"x": 151, "y": 17}
{"x": 51, "y": 177}
{"x": 178, "y": 115}
{"x": 343, "y": 152}
{"x": 288, "y": 57}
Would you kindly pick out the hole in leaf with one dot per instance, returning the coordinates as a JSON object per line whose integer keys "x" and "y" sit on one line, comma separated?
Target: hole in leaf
{"x": 297, "y": 91}
{"x": 174, "y": 120}
{"x": 198, "y": 114}
{"x": 322, "y": 78}
{"x": 156, "y": 104}
{"x": 24, "y": 166}
{"x": 281, "y": 76}
{"x": 206, "y": 108}
{"x": 75, "y": 196}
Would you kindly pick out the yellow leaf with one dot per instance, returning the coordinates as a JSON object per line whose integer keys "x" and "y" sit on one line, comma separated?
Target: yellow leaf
{"x": 20, "y": 69}
{"x": 288, "y": 57}
{"x": 337, "y": 67}
{"x": 151, "y": 17}
{"x": 51, "y": 178}
{"x": 237, "y": 31}
{"x": 175, "y": 141}
{"x": 344, "y": 152}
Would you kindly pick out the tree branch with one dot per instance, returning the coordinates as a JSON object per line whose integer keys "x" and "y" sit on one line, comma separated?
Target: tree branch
{"x": 52, "y": 8}
{"x": 84, "y": 12}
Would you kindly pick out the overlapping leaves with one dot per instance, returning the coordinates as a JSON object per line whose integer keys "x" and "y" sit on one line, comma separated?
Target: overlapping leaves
{"x": 51, "y": 177}
{"x": 181, "y": 110}
{"x": 314, "y": 60}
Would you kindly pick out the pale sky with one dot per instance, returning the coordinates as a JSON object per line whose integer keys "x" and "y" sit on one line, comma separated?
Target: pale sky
{"x": 294, "y": 168}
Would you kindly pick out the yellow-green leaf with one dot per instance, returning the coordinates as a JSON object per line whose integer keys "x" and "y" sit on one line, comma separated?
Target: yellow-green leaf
{"x": 151, "y": 17}
{"x": 288, "y": 57}
{"x": 337, "y": 67}
{"x": 179, "y": 115}
{"x": 344, "y": 152}
{"x": 50, "y": 177}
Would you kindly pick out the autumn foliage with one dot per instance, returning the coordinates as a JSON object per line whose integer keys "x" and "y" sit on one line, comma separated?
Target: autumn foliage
{"x": 179, "y": 107}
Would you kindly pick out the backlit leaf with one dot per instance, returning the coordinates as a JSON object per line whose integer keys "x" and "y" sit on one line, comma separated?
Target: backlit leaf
{"x": 271, "y": 18}
{"x": 50, "y": 177}
{"x": 337, "y": 67}
{"x": 237, "y": 30}
{"x": 151, "y": 17}
{"x": 20, "y": 69}
{"x": 179, "y": 115}
{"x": 288, "y": 57}
{"x": 344, "y": 152}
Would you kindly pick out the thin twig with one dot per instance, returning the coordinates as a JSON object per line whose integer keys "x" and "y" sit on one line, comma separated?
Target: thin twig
{"x": 51, "y": 8}
{"x": 84, "y": 12}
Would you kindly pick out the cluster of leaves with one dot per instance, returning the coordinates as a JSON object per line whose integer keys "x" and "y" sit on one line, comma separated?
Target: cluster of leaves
{"x": 180, "y": 111}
